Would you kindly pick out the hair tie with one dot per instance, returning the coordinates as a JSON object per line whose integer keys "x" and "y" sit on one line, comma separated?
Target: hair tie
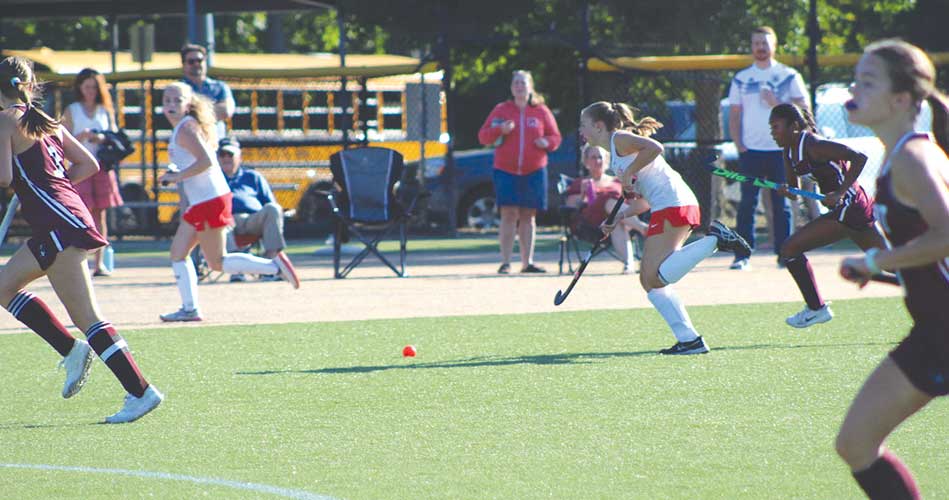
{"x": 15, "y": 81}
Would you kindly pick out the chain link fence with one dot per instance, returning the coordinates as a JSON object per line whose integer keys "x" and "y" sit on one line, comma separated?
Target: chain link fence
{"x": 288, "y": 129}
{"x": 693, "y": 107}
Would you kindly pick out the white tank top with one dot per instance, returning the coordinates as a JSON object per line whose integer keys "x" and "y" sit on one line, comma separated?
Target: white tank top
{"x": 202, "y": 187}
{"x": 81, "y": 121}
{"x": 660, "y": 185}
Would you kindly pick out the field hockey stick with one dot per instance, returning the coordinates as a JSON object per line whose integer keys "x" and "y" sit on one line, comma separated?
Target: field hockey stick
{"x": 8, "y": 218}
{"x": 562, "y": 295}
{"x": 763, "y": 183}
{"x": 890, "y": 279}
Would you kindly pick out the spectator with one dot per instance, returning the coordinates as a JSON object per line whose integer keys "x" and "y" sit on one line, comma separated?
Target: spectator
{"x": 596, "y": 196}
{"x": 195, "y": 66}
{"x": 754, "y": 91}
{"x": 255, "y": 210}
{"x": 527, "y": 132}
{"x": 86, "y": 118}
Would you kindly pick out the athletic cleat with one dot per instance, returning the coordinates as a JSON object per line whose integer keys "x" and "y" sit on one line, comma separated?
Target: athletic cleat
{"x": 78, "y": 363}
{"x": 696, "y": 346}
{"x": 287, "y": 271}
{"x": 741, "y": 264}
{"x": 238, "y": 278}
{"x": 809, "y": 317}
{"x": 136, "y": 408}
{"x": 182, "y": 315}
{"x": 729, "y": 240}
{"x": 270, "y": 277}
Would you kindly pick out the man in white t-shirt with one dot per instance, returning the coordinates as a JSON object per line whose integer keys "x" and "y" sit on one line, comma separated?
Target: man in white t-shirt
{"x": 754, "y": 91}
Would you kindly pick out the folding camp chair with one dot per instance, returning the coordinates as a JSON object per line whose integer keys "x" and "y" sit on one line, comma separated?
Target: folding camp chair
{"x": 366, "y": 206}
{"x": 570, "y": 238}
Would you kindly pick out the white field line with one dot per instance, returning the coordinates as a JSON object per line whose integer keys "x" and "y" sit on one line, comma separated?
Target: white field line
{"x": 261, "y": 488}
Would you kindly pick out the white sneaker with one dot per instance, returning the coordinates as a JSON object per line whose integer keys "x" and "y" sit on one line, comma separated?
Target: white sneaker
{"x": 808, "y": 317}
{"x": 78, "y": 363}
{"x": 136, "y": 408}
{"x": 182, "y": 315}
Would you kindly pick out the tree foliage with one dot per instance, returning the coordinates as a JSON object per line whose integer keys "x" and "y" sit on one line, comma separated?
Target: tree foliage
{"x": 490, "y": 38}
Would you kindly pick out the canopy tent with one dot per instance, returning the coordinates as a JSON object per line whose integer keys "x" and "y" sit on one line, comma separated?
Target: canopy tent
{"x": 139, "y": 8}
{"x": 722, "y": 62}
{"x": 62, "y": 65}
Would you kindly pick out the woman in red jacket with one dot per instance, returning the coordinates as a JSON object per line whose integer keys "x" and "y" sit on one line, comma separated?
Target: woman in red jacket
{"x": 525, "y": 131}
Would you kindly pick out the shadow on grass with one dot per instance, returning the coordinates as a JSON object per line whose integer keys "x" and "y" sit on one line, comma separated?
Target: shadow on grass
{"x": 539, "y": 359}
{"x": 22, "y": 425}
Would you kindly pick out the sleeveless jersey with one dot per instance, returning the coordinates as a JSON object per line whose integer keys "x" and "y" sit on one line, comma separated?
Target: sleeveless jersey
{"x": 855, "y": 206}
{"x": 48, "y": 199}
{"x": 660, "y": 185}
{"x": 926, "y": 288}
{"x": 202, "y": 187}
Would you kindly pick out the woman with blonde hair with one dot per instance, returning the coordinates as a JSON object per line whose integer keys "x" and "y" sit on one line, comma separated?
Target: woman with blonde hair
{"x": 207, "y": 216}
{"x": 33, "y": 148}
{"x": 637, "y": 160}
{"x": 86, "y": 118}
{"x": 596, "y": 196}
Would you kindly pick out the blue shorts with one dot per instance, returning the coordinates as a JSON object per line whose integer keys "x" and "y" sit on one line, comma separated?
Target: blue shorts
{"x": 528, "y": 191}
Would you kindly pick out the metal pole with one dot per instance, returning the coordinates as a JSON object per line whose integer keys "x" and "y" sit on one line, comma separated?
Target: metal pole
{"x": 8, "y": 218}
{"x": 814, "y": 39}
{"x": 192, "y": 12}
{"x": 444, "y": 60}
{"x": 582, "y": 72}
{"x": 209, "y": 37}
{"x": 344, "y": 100}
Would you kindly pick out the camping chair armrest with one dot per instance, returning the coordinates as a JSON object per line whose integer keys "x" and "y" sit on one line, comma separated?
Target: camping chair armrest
{"x": 331, "y": 196}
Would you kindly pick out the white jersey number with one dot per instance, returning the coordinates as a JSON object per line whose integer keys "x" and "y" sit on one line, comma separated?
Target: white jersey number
{"x": 58, "y": 161}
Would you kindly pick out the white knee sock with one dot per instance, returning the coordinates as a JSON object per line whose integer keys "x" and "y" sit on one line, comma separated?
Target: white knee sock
{"x": 630, "y": 254}
{"x": 671, "y": 309}
{"x": 680, "y": 262}
{"x": 187, "y": 280}
{"x": 235, "y": 263}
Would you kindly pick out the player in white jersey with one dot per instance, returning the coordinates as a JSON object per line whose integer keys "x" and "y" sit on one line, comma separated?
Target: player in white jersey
{"x": 638, "y": 163}
{"x": 208, "y": 212}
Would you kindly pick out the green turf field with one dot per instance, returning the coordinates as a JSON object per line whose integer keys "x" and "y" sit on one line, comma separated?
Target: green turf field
{"x": 568, "y": 405}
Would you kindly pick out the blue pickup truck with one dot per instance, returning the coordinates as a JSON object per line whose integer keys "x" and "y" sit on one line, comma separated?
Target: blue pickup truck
{"x": 473, "y": 175}
{"x": 474, "y": 169}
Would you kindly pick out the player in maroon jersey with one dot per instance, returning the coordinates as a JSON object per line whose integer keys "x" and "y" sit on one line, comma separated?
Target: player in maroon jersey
{"x": 835, "y": 168}
{"x": 33, "y": 150}
{"x": 892, "y": 80}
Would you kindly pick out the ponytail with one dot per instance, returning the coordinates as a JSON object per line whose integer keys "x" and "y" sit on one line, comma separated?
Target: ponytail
{"x": 940, "y": 124}
{"x": 18, "y": 84}
{"x": 619, "y": 116}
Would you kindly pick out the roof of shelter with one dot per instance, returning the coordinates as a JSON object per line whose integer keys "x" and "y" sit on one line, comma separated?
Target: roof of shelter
{"x": 64, "y": 64}
{"x": 723, "y": 62}
{"x": 138, "y": 8}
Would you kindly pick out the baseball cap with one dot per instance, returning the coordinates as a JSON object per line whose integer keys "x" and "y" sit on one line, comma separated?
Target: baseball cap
{"x": 229, "y": 144}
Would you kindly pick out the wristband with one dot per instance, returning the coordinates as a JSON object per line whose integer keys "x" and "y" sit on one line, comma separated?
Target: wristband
{"x": 869, "y": 260}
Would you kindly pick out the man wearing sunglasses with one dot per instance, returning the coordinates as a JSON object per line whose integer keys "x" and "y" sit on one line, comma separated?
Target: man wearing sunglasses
{"x": 195, "y": 67}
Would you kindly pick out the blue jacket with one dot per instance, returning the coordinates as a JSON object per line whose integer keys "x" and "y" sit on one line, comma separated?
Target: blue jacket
{"x": 251, "y": 191}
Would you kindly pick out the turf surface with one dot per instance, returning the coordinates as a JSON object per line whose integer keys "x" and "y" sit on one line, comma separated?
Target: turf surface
{"x": 565, "y": 405}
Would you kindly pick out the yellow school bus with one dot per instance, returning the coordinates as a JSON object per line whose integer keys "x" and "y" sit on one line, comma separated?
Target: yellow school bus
{"x": 293, "y": 112}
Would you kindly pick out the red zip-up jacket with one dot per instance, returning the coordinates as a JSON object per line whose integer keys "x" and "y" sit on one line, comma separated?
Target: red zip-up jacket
{"x": 517, "y": 153}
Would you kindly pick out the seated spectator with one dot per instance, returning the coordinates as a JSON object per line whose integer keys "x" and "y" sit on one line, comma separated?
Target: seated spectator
{"x": 596, "y": 196}
{"x": 254, "y": 207}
